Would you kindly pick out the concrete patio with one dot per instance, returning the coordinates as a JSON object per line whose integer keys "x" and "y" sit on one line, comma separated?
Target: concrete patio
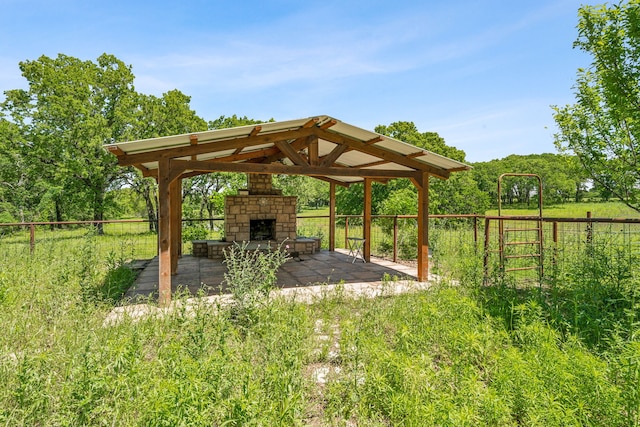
{"x": 322, "y": 268}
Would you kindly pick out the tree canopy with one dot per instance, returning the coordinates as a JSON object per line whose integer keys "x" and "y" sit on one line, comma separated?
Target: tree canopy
{"x": 458, "y": 194}
{"x": 53, "y": 165}
{"x": 70, "y": 109}
{"x": 603, "y": 127}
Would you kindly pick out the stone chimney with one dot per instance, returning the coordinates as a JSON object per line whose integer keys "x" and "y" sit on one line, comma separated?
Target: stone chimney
{"x": 262, "y": 184}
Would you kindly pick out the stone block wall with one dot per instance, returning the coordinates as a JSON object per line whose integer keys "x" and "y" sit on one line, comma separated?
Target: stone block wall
{"x": 240, "y": 210}
{"x": 262, "y": 184}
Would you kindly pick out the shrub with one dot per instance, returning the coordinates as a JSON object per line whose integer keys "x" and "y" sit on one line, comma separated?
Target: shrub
{"x": 195, "y": 231}
{"x": 250, "y": 276}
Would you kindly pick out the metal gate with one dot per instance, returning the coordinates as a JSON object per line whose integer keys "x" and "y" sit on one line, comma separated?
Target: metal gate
{"x": 520, "y": 238}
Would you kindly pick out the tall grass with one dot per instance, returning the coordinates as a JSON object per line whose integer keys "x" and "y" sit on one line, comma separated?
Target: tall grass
{"x": 563, "y": 354}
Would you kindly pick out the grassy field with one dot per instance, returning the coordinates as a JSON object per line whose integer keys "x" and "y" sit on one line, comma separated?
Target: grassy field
{"x": 565, "y": 354}
{"x": 576, "y": 210}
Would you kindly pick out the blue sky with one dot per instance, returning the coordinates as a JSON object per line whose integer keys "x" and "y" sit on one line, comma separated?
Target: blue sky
{"x": 483, "y": 74}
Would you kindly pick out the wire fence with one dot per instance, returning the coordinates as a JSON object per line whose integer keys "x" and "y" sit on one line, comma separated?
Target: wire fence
{"x": 515, "y": 249}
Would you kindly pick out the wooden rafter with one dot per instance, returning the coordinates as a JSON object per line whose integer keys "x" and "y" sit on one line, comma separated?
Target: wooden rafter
{"x": 331, "y": 158}
{"x": 373, "y": 140}
{"x": 222, "y": 145}
{"x": 256, "y": 130}
{"x": 249, "y": 155}
{"x": 330, "y": 180}
{"x": 291, "y": 153}
{"x": 287, "y": 170}
{"x": 371, "y": 164}
{"x": 311, "y": 122}
{"x": 328, "y": 124}
{"x": 381, "y": 153}
{"x": 297, "y": 145}
{"x": 193, "y": 140}
{"x": 115, "y": 150}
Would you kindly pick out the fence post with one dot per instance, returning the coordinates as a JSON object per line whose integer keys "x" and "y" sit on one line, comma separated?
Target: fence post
{"x": 555, "y": 244}
{"x": 32, "y": 238}
{"x": 475, "y": 233}
{"x": 395, "y": 238}
{"x": 346, "y": 232}
{"x": 589, "y": 229}
{"x": 486, "y": 251}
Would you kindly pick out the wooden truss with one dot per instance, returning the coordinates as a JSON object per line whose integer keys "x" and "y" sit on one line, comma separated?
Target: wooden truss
{"x": 287, "y": 151}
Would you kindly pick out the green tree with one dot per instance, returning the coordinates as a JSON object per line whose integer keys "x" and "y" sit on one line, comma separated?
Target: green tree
{"x": 562, "y": 179}
{"x": 603, "y": 126}
{"x": 70, "y": 109}
{"x": 226, "y": 122}
{"x": 155, "y": 116}
{"x": 459, "y": 194}
{"x": 311, "y": 192}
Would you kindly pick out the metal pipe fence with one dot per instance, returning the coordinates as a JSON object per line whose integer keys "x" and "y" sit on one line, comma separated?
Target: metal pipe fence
{"x": 455, "y": 241}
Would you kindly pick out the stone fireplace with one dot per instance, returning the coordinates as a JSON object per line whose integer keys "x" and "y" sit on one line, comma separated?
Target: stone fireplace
{"x": 260, "y": 213}
{"x": 262, "y": 229}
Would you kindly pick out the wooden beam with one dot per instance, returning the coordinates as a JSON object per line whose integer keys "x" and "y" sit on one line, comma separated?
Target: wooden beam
{"x": 248, "y": 155}
{"x": 381, "y": 153}
{"x": 332, "y": 216}
{"x": 313, "y": 150}
{"x": 148, "y": 173}
{"x": 193, "y": 140}
{"x": 115, "y": 150}
{"x": 422, "y": 184}
{"x": 210, "y": 166}
{"x": 175, "y": 187}
{"x": 374, "y": 140}
{"x": 328, "y": 124}
{"x": 331, "y": 158}
{"x": 298, "y": 144}
{"x": 256, "y": 130}
{"x": 292, "y": 154}
{"x": 312, "y": 122}
{"x": 164, "y": 233}
{"x": 175, "y": 169}
{"x": 332, "y": 181}
{"x": 213, "y": 147}
{"x": 318, "y": 177}
{"x": 366, "y": 222}
{"x": 378, "y": 163}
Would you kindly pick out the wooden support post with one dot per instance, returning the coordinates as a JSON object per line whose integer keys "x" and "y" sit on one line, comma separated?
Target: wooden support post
{"x": 395, "y": 238}
{"x": 164, "y": 232}
{"x": 332, "y": 216}
{"x": 175, "y": 208}
{"x": 179, "y": 215}
{"x": 366, "y": 224}
{"x": 423, "y": 227}
{"x": 313, "y": 151}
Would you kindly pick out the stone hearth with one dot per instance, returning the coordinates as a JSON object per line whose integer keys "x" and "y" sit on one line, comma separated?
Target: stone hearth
{"x": 263, "y": 208}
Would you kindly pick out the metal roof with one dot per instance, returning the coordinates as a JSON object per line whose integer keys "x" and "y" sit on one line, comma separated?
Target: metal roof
{"x": 365, "y": 150}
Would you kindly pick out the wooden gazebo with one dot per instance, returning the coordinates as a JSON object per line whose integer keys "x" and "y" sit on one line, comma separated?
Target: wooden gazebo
{"x": 321, "y": 147}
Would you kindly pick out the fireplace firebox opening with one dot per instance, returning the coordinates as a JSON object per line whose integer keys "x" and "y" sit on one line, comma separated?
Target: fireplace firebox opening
{"x": 262, "y": 229}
